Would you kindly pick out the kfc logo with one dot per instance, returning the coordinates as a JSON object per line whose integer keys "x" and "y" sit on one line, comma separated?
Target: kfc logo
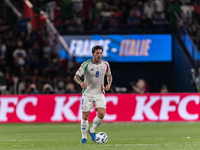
{"x": 6, "y": 108}
{"x": 144, "y": 107}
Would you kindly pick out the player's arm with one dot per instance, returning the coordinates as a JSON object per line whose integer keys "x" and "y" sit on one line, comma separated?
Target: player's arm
{"x": 109, "y": 81}
{"x": 78, "y": 80}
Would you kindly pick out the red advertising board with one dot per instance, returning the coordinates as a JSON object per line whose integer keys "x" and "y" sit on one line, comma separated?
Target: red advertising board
{"x": 120, "y": 108}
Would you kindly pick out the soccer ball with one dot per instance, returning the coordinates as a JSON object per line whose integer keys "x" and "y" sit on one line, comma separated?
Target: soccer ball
{"x": 101, "y": 137}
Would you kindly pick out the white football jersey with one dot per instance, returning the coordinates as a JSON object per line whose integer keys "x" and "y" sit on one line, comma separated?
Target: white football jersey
{"x": 94, "y": 76}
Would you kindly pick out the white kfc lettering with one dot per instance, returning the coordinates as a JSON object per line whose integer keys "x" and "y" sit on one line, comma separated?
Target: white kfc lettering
{"x": 20, "y": 110}
{"x": 5, "y": 108}
{"x": 182, "y": 109}
{"x": 141, "y": 108}
{"x": 64, "y": 109}
{"x": 114, "y": 100}
{"x": 165, "y": 106}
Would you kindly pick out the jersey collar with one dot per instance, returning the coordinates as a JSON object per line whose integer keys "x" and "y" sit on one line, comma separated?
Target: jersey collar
{"x": 94, "y": 63}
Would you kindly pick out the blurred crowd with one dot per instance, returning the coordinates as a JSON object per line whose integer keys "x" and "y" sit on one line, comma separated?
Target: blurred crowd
{"x": 127, "y": 15}
{"x": 30, "y": 65}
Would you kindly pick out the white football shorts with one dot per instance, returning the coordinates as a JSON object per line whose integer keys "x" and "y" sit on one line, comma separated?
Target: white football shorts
{"x": 87, "y": 102}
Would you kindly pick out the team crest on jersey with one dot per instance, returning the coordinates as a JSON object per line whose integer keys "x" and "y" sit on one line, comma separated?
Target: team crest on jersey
{"x": 103, "y": 68}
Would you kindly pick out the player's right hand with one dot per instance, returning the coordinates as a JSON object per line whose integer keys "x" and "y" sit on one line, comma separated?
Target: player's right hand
{"x": 84, "y": 85}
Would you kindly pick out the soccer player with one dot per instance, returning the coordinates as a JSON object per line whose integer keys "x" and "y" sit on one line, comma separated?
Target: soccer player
{"x": 94, "y": 71}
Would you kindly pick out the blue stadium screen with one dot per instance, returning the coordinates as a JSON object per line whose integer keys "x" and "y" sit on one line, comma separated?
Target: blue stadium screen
{"x": 121, "y": 48}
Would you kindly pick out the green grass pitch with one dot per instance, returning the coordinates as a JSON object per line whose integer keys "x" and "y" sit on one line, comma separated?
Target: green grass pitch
{"x": 121, "y": 136}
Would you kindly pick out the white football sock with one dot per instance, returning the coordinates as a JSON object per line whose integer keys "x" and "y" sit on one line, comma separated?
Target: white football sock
{"x": 84, "y": 128}
{"x": 96, "y": 123}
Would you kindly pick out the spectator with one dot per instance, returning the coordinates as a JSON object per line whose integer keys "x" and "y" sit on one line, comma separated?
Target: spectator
{"x": 133, "y": 20}
{"x": 149, "y": 9}
{"x": 34, "y": 78}
{"x": 187, "y": 23}
{"x": 23, "y": 37}
{"x": 194, "y": 30}
{"x": 146, "y": 23}
{"x": 47, "y": 89}
{"x": 174, "y": 7}
{"x": 11, "y": 42}
{"x": 34, "y": 35}
{"x": 60, "y": 82}
{"x": 72, "y": 25}
{"x": 113, "y": 89}
{"x": 140, "y": 8}
{"x": 3, "y": 49}
{"x": 47, "y": 50}
{"x": 192, "y": 27}
{"x": 123, "y": 18}
{"x": 37, "y": 51}
{"x": 71, "y": 88}
{"x": 113, "y": 23}
{"x": 30, "y": 58}
{"x": 32, "y": 89}
{"x": 101, "y": 5}
{"x": 164, "y": 89}
{"x": 37, "y": 64}
{"x": 22, "y": 24}
{"x": 159, "y": 21}
{"x": 97, "y": 23}
{"x": 58, "y": 18}
{"x": 167, "y": 4}
{"x": 159, "y": 6}
{"x": 3, "y": 67}
{"x": 19, "y": 55}
{"x": 140, "y": 87}
{"x": 186, "y": 10}
{"x": 9, "y": 83}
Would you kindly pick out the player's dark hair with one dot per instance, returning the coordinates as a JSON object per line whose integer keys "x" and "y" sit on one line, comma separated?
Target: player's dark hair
{"x": 96, "y": 48}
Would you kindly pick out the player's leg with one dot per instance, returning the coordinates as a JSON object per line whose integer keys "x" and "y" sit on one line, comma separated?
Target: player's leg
{"x": 84, "y": 126}
{"x": 98, "y": 119}
{"x": 100, "y": 104}
{"x": 86, "y": 106}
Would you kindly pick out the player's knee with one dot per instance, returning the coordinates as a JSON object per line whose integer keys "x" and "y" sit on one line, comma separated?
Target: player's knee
{"x": 85, "y": 117}
{"x": 101, "y": 115}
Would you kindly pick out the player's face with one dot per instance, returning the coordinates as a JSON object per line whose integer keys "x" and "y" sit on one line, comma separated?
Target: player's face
{"x": 97, "y": 55}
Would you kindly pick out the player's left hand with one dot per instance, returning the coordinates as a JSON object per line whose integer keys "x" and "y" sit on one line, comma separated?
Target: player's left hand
{"x": 107, "y": 87}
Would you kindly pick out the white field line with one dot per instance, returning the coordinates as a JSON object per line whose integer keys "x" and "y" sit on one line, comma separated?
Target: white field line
{"x": 122, "y": 145}
{"x": 141, "y": 138}
{"x": 21, "y": 140}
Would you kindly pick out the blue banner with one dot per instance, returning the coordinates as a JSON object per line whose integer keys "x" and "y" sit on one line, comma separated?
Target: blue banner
{"x": 121, "y": 48}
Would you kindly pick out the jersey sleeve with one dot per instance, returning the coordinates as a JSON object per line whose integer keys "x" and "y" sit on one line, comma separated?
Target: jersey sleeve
{"x": 80, "y": 71}
{"x": 83, "y": 68}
